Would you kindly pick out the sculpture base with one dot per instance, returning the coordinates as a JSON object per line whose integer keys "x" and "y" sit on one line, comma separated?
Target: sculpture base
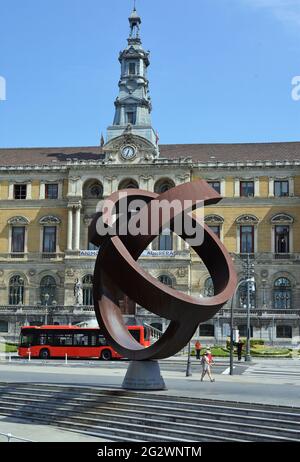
{"x": 143, "y": 375}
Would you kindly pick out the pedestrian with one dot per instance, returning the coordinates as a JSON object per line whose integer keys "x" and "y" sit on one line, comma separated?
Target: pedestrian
{"x": 239, "y": 349}
{"x": 210, "y": 357}
{"x": 205, "y": 361}
{"x": 198, "y": 347}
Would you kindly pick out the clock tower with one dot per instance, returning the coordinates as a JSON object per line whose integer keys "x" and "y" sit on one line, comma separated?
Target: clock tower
{"x": 133, "y": 104}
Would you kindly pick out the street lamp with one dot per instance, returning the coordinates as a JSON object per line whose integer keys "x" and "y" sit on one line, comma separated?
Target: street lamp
{"x": 46, "y": 298}
{"x": 249, "y": 269}
{"x": 243, "y": 281}
{"x": 20, "y": 297}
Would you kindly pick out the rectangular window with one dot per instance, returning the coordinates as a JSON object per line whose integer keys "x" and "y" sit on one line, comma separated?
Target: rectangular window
{"x": 243, "y": 330}
{"x": 281, "y": 188}
{"x": 216, "y": 185}
{"x": 20, "y": 191}
{"x": 17, "y": 240}
{"x": 3, "y": 326}
{"x": 247, "y": 188}
{"x": 282, "y": 239}
{"x": 132, "y": 68}
{"x": 216, "y": 230}
{"x": 165, "y": 241}
{"x": 206, "y": 330}
{"x": 130, "y": 117}
{"x": 49, "y": 239}
{"x": 284, "y": 332}
{"x": 247, "y": 239}
{"x": 51, "y": 191}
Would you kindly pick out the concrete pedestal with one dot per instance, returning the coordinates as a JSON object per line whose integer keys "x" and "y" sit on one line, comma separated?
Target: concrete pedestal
{"x": 143, "y": 375}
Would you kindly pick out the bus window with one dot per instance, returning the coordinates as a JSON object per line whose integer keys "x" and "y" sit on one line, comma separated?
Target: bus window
{"x": 102, "y": 340}
{"x": 43, "y": 339}
{"x": 62, "y": 339}
{"x": 136, "y": 334}
{"x": 81, "y": 340}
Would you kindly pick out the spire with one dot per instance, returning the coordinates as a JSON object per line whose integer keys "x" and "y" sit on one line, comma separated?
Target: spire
{"x": 133, "y": 104}
{"x": 135, "y": 22}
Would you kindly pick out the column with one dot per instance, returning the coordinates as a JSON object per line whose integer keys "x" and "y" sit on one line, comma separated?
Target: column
{"x": 70, "y": 229}
{"x": 236, "y": 187}
{"x": 271, "y": 187}
{"x": 222, "y": 187}
{"x": 42, "y": 190}
{"x": 179, "y": 242}
{"x": 77, "y": 228}
{"x": 256, "y": 187}
{"x": 60, "y": 189}
{"x": 291, "y": 187}
{"x": 29, "y": 189}
{"x": 11, "y": 190}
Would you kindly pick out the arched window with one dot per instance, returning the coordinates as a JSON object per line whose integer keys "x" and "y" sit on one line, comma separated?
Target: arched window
{"x": 282, "y": 294}
{"x": 93, "y": 189}
{"x": 165, "y": 279}
{"x": 16, "y": 290}
{"x": 209, "y": 290}
{"x": 87, "y": 290}
{"x": 128, "y": 183}
{"x": 243, "y": 295}
{"x": 163, "y": 185}
{"x": 48, "y": 290}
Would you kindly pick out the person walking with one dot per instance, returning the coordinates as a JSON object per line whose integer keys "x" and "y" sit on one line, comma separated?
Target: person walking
{"x": 205, "y": 361}
{"x": 239, "y": 349}
{"x": 198, "y": 347}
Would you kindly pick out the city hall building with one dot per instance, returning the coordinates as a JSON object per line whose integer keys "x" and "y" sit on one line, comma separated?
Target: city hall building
{"x": 48, "y": 197}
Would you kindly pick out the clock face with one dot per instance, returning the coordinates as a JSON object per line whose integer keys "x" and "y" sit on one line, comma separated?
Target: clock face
{"x": 128, "y": 152}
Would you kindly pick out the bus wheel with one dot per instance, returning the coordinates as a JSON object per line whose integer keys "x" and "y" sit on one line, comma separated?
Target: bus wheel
{"x": 44, "y": 354}
{"x": 105, "y": 355}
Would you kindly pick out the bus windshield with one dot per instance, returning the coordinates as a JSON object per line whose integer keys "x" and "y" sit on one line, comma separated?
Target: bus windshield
{"x": 27, "y": 339}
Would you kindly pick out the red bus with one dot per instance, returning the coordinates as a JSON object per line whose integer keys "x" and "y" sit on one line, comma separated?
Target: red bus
{"x": 56, "y": 341}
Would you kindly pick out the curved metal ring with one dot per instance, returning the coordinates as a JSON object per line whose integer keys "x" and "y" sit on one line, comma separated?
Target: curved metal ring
{"x": 117, "y": 272}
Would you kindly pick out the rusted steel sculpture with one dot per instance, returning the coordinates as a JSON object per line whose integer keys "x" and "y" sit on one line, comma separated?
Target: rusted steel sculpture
{"x": 117, "y": 272}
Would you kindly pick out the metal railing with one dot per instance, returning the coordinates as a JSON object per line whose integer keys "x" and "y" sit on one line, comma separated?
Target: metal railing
{"x": 10, "y": 437}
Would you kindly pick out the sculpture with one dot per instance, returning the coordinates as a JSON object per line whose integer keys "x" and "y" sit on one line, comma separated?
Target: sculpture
{"x": 78, "y": 293}
{"x": 117, "y": 272}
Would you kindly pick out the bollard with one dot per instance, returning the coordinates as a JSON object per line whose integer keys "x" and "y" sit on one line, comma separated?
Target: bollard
{"x": 29, "y": 355}
{"x": 9, "y": 436}
{"x": 9, "y": 357}
{"x": 66, "y": 359}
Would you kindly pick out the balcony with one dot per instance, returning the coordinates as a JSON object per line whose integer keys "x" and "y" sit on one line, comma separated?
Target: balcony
{"x": 259, "y": 313}
{"x": 42, "y": 310}
{"x": 31, "y": 256}
{"x": 166, "y": 254}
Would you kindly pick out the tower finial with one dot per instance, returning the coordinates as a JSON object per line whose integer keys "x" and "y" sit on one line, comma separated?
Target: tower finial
{"x": 135, "y": 22}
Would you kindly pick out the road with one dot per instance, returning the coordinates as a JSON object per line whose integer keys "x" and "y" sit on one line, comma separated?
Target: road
{"x": 245, "y": 385}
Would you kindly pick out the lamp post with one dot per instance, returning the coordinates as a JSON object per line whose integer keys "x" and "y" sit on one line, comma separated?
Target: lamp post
{"x": 250, "y": 288}
{"x": 20, "y": 295}
{"x": 46, "y": 298}
{"x": 188, "y": 372}
{"x": 231, "y": 322}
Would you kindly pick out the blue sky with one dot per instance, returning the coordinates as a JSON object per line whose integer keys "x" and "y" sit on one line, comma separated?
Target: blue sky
{"x": 221, "y": 70}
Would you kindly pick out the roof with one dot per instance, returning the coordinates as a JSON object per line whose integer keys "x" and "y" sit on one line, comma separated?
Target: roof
{"x": 233, "y": 152}
{"x": 289, "y": 151}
